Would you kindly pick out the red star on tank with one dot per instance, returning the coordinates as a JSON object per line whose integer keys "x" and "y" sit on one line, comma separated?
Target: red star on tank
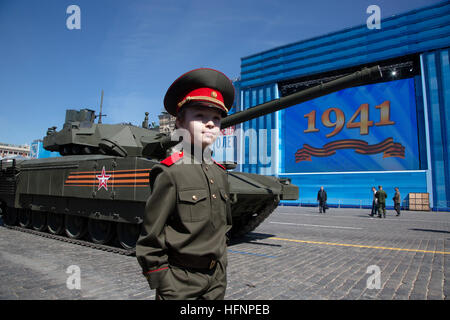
{"x": 103, "y": 180}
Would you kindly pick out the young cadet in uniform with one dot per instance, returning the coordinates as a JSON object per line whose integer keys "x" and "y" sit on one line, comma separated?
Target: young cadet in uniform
{"x": 182, "y": 247}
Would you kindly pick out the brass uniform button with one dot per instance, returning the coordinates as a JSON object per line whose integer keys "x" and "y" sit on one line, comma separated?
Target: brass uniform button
{"x": 214, "y": 196}
{"x": 211, "y": 180}
{"x": 194, "y": 197}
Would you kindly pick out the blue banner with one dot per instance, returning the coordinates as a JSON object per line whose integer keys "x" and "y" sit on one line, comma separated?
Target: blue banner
{"x": 366, "y": 128}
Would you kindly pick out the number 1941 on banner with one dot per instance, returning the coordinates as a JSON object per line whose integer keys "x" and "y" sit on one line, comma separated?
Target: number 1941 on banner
{"x": 363, "y": 124}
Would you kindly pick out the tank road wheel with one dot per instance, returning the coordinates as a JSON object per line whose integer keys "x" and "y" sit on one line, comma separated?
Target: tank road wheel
{"x": 10, "y": 216}
{"x": 100, "y": 231}
{"x": 25, "y": 218}
{"x": 76, "y": 227}
{"x": 55, "y": 223}
{"x": 128, "y": 234}
{"x": 39, "y": 220}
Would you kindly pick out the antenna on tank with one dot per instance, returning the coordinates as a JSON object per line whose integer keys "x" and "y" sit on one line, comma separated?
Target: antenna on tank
{"x": 101, "y": 106}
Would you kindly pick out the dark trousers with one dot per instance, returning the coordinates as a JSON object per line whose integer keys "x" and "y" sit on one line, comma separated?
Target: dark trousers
{"x": 190, "y": 284}
{"x": 374, "y": 208}
{"x": 397, "y": 208}
{"x": 382, "y": 208}
{"x": 322, "y": 206}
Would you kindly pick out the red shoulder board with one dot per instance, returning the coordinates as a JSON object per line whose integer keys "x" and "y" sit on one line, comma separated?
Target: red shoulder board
{"x": 220, "y": 165}
{"x": 172, "y": 158}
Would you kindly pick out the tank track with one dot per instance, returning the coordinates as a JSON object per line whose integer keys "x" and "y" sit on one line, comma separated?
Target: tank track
{"x": 84, "y": 243}
{"x": 254, "y": 222}
{"x": 251, "y": 225}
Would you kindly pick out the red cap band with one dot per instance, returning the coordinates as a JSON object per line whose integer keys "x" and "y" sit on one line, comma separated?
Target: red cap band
{"x": 206, "y": 95}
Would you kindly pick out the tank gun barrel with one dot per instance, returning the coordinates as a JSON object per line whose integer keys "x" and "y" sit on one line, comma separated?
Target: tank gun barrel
{"x": 354, "y": 79}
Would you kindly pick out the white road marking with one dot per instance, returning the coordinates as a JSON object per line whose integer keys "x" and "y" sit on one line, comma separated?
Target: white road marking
{"x": 314, "y": 225}
{"x": 395, "y": 218}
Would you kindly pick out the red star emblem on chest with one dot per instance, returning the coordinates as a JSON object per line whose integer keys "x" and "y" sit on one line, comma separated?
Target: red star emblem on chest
{"x": 103, "y": 179}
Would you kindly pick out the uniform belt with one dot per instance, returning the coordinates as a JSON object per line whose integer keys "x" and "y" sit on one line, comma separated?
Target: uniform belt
{"x": 194, "y": 262}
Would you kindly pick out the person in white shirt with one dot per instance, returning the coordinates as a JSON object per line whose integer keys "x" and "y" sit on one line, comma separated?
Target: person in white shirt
{"x": 374, "y": 202}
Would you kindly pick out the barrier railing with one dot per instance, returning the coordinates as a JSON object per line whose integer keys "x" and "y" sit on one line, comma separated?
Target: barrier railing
{"x": 360, "y": 204}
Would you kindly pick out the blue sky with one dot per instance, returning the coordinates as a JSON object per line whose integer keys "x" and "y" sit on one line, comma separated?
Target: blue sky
{"x": 133, "y": 50}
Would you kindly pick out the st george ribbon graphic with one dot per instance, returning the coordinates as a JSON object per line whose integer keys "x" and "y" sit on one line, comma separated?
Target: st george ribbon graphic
{"x": 388, "y": 147}
{"x": 115, "y": 178}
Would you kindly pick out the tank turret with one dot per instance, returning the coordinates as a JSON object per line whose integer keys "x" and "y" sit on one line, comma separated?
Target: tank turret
{"x": 81, "y": 136}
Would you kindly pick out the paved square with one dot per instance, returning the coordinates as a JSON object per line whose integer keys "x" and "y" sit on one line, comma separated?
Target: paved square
{"x": 296, "y": 253}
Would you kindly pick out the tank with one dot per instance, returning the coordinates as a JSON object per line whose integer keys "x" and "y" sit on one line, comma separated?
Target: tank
{"x": 97, "y": 190}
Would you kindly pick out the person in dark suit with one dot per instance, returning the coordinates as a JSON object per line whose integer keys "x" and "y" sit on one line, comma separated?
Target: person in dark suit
{"x": 322, "y": 199}
{"x": 374, "y": 202}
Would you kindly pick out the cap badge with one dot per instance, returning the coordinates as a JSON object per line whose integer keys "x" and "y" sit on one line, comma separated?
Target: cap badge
{"x": 213, "y": 94}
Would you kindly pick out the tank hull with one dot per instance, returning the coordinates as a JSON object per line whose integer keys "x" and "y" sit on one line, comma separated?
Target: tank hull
{"x": 115, "y": 190}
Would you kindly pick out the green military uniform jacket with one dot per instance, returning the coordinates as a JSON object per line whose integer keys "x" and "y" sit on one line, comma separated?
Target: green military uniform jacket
{"x": 381, "y": 196}
{"x": 187, "y": 215}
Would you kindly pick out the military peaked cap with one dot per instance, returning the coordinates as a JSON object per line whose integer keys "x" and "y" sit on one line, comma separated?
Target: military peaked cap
{"x": 203, "y": 86}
